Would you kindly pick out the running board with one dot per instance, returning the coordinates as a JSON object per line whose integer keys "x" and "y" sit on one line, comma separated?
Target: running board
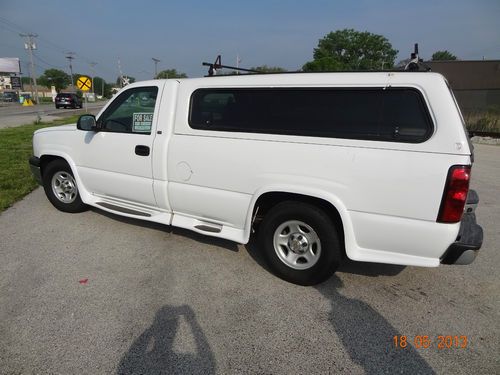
{"x": 124, "y": 210}
{"x": 209, "y": 227}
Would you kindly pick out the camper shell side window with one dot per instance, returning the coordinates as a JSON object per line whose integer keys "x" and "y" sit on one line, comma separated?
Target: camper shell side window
{"x": 382, "y": 114}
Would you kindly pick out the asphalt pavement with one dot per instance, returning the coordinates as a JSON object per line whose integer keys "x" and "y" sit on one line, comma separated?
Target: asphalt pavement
{"x": 14, "y": 114}
{"x": 95, "y": 293}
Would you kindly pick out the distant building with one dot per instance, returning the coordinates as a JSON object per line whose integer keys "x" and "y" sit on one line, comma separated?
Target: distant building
{"x": 476, "y": 83}
{"x": 5, "y": 83}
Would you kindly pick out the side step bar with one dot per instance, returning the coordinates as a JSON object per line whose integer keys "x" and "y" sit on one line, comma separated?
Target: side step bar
{"x": 209, "y": 227}
{"x": 124, "y": 210}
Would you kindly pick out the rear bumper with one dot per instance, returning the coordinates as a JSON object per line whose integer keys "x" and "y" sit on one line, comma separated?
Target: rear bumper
{"x": 469, "y": 240}
{"x": 35, "y": 169}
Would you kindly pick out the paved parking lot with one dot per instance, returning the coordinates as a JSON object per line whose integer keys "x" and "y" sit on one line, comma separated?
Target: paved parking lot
{"x": 96, "y": 293}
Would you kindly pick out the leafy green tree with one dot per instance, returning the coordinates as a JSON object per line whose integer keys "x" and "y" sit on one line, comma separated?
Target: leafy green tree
{"x": 101, "y": 87}
{"x": 170, "y": 73}
{"x": 55, "y": 77}
{"x": 268, "y": 69}
{"x": 349, "y": 49}
{"x": 443, "y": 55}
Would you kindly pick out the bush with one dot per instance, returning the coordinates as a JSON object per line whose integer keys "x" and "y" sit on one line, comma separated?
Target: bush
{"x": 484, "y": 121}
{"x": 47, "y": 99}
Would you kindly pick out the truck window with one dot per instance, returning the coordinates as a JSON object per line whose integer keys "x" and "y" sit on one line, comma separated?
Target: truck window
{"x": 131, "y": 112}
{"x": 394, "y": 114}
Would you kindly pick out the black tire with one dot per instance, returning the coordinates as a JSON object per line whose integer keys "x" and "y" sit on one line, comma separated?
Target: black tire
{"x": 325, "y": 261}
{"x": 73, "y": 202}
{"x": 57, "y": 107}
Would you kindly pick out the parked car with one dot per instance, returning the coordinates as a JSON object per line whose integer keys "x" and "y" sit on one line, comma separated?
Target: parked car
{"x": 372, "y": 166}
{"x": 9, "y": 96}
{"x": 67, "y": 100}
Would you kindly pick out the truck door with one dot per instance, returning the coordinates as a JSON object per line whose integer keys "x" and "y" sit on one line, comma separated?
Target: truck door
{"x": 116, "y": 161}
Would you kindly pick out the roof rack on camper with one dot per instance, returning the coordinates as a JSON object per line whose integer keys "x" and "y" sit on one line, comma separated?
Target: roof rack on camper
{"x": 413, "y": 64}
{"x": 217, "y": 65}
{"x": 416, "y": 64}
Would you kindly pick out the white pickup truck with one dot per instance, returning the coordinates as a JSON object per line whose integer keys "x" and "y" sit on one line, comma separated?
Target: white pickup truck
{"x": 372, "y": 166}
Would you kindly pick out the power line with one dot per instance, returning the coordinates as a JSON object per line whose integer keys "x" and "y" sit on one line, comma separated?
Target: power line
{"x": 13, "y": 26}
{"x": 16, "y": 28}
{"x": 47, "y": 63}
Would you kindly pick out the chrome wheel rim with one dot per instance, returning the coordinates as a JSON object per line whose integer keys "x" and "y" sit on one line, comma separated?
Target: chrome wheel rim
{"x": 64, "y": 187}
{"x": 297, "y": 245}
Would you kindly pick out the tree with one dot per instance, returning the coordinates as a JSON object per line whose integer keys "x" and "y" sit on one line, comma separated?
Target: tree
{"x": 443, "y": 55}
{"x": 268, "y": 69}
{"x": 101, "y": 87}
{"x": 349, "y": 49}
{"x": 170, "y": 73}
{"x": 56, "y": 78}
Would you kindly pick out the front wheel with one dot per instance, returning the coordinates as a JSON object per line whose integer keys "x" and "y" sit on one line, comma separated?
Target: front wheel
{"x": 300, "y": 243}
{"x": 60, "y": 187}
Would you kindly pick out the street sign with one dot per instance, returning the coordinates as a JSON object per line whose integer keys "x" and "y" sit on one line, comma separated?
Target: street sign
{"x": 84, "y": 83}
{"x": 15, "y": 83}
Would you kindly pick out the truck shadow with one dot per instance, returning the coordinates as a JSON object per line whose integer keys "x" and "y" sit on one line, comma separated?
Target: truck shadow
{"x": 367, "y": 336}
{"x": 220, "y": 242}
{"x": 153, "y": 351}
{"x": 364, "y": 333}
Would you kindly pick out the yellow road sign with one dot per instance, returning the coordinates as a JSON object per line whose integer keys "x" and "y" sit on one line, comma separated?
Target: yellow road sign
{"x": 84, "y": 83}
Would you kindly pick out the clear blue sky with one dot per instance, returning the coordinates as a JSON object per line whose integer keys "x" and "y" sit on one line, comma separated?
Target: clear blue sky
{"x": 182, "y": 34}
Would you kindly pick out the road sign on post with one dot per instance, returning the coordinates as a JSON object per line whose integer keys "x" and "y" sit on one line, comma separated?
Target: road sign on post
{"x": 84, "y": 83}
{"x": 15, "y": 83}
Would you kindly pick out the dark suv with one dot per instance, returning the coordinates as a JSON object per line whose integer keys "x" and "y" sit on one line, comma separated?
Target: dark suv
{"x": 9, "y": 96}
{"x": 68, "y": 100}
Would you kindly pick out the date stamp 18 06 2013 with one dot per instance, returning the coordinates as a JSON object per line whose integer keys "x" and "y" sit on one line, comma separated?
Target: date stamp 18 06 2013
{"x": 426, "y": 342}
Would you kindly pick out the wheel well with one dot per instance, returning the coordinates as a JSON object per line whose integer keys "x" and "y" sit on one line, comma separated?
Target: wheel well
{"x": 268, "y": 200}
{"x": 46, "y": 159}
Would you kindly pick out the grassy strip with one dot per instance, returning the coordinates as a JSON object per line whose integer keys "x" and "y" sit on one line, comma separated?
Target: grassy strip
{"x": 486, "y": 121}
{"x": 15, "y": 149}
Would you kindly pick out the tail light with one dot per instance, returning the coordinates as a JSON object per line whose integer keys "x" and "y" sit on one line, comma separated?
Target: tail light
{"x": 455, "y": 194}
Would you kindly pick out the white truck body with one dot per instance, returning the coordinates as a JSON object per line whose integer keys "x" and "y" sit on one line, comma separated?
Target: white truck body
{"x": 387, "y": 193}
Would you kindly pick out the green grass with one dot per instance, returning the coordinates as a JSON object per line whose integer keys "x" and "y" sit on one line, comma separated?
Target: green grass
{"x": 15, "y": 149}
{"x": 485, "y": 120}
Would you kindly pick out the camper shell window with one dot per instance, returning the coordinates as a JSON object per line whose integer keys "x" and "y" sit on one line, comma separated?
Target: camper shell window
{"x": 384, "y": 114}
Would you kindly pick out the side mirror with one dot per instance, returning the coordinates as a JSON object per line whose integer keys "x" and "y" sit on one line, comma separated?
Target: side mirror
{"x": 87, "y": 122}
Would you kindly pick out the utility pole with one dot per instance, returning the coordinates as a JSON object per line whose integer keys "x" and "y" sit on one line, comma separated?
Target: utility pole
{"x": 156, "y": 61}
{"x": 121, "y": 73}
{"x": 30, "y": 46}
{"x": 92, "y": 66}
{"x": 70, "y": 57}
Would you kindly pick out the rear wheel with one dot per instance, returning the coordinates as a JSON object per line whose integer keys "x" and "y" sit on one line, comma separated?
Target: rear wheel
{"x": 60, "y": 187}
{"x": 300, "y": 243}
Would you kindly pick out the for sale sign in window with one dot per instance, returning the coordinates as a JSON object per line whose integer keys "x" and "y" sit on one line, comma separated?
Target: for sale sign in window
{"x": 142, "y": 122}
